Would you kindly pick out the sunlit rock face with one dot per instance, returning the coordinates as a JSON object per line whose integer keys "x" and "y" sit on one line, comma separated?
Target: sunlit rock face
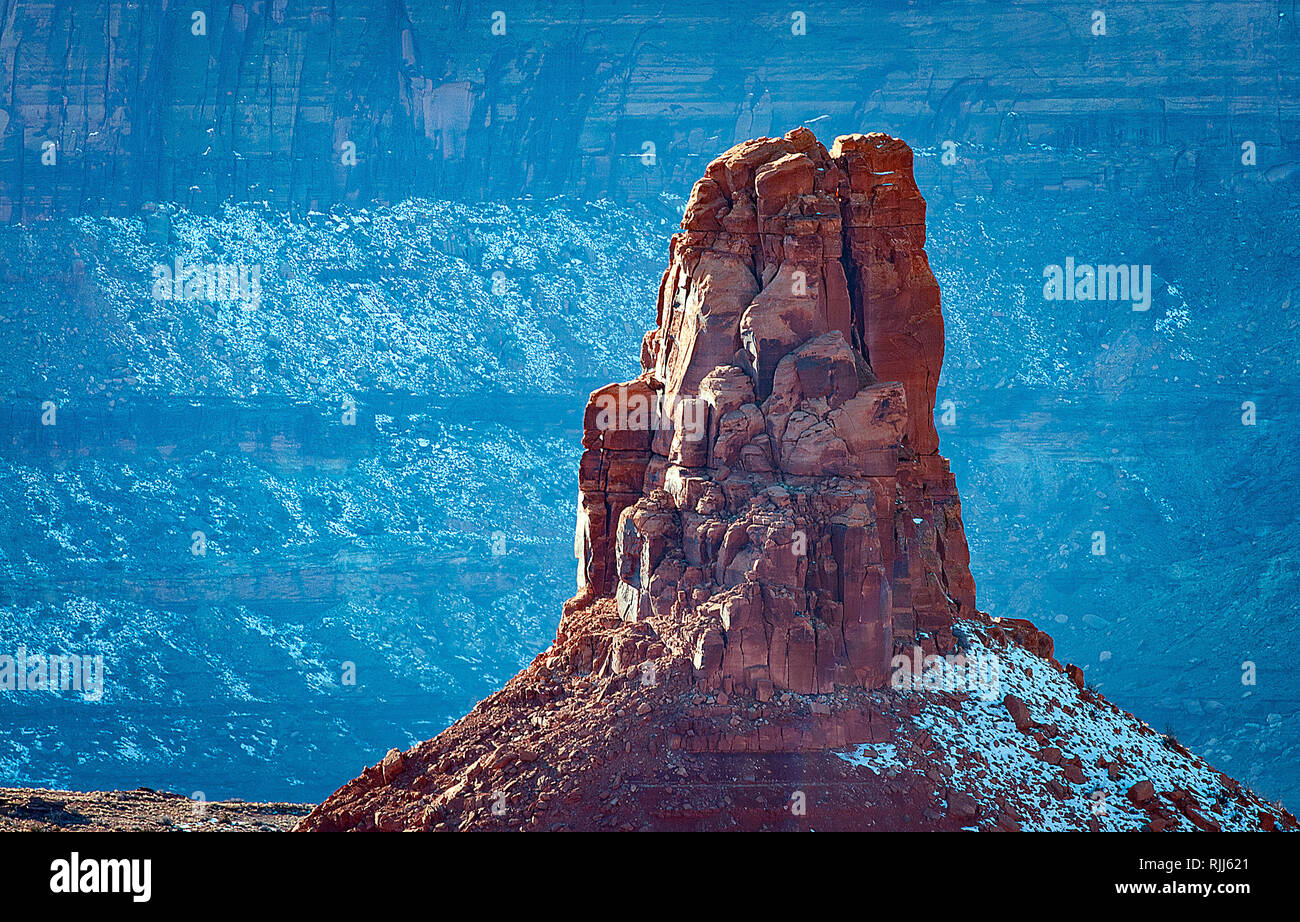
{"x": 769, "y": 488}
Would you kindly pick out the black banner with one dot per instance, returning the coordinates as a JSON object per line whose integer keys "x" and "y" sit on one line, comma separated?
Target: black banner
{"x": 143, "y": 872}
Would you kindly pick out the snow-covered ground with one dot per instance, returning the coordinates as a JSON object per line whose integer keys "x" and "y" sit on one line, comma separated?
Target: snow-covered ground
{"x": 998, "y": 765}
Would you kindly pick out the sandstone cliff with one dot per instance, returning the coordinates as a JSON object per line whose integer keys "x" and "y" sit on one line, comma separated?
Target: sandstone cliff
{"x": 776, "y": 625}
{"x": 260, "y": 102}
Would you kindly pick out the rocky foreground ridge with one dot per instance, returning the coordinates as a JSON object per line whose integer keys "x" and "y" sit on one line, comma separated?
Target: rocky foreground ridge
{"x": 775, "y": 626}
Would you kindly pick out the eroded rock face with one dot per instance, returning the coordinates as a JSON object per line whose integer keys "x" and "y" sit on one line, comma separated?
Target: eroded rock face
{"x": 764, "y": 521}
{"x": 769, "y": 489}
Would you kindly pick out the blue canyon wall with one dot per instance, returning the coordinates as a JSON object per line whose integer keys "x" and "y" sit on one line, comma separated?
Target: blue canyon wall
{"x": 494, "y": 252}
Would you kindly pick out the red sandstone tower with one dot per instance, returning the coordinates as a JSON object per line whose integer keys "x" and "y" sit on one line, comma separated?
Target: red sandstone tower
{"x": 769, "y": 489}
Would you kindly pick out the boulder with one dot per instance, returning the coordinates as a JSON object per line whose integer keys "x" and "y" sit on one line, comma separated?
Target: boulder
{"x": 1142, "y": 793}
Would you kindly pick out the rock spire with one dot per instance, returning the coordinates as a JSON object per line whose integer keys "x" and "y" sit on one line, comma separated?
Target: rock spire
{"x": 770, "y": 485}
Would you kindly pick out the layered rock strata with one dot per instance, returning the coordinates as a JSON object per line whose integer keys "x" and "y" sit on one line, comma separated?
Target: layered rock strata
{"x": 260, "y": 103}
{"x": 770, "y": 486}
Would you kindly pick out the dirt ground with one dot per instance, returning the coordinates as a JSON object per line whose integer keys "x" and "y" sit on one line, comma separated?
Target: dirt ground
{"x": 144, "y": 810}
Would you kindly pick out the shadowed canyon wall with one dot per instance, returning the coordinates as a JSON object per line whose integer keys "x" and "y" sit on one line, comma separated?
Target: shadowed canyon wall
{"x": 308, "y": 104}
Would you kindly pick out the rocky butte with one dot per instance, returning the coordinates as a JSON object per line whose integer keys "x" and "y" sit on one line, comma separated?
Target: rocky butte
{"x": 770, "y": 549}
